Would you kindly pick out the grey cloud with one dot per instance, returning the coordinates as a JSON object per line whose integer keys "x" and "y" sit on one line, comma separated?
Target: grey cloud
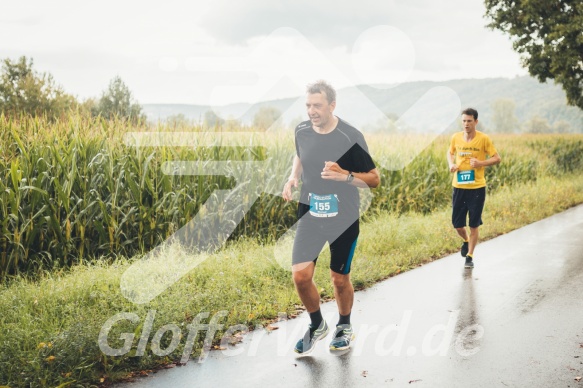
{"x": 23, "y": 21}
{"x": 323, "y": 21}
{"x": 79, "y": 59}
{"x": 434, "y": 64}
{"x": 327, "y": 22}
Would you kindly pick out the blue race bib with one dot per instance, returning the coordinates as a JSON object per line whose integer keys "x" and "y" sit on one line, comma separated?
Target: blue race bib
{"x": 466, "y": 177}
{"x": 323, "y": 205}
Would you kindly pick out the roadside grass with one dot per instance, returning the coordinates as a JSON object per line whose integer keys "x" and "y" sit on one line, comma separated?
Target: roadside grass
{"x": 49, "y": 327}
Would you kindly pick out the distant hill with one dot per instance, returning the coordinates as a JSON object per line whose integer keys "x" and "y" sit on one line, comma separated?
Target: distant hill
{"x": 532, "y": 98}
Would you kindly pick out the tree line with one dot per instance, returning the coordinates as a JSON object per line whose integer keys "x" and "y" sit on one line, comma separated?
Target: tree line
{"x": 23, "y": 90}
{"x": 503, "y": 120}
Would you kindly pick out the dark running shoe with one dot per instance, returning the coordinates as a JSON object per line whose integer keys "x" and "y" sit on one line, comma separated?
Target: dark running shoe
{"x": 465, "y": 249}
{"x": 341, "y": 338}
{"x": 306, "y": 344}
{"x": 469, "y": 262}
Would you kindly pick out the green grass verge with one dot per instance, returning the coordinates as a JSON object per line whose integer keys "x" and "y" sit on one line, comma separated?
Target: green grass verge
{"x": 49, "y": 327}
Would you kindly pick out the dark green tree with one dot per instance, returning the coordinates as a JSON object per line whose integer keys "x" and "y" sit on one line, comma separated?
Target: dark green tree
{"x": 24, "y": 90}
{"x": 549, "y": 36}
{"x": 117, "y": 101}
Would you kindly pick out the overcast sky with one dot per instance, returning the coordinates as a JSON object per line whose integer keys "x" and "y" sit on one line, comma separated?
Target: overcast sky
{"x": 198, "y": 52}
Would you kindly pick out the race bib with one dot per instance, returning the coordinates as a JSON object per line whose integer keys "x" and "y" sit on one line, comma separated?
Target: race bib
{"x": 466, "y": 177}
{"x": 323, "y": 205}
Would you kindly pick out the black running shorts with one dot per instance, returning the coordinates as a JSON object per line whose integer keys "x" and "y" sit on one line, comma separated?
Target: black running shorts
{"x": 311, "y": 237}
{"x": 466, "y": 201}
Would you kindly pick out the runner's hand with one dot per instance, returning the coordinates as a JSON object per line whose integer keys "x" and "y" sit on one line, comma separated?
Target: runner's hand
{"x": 453, "y": 168}
{"x": 475, "y": 162}
{"x": 287, "y": 188}
{"x": 332, "y": 171}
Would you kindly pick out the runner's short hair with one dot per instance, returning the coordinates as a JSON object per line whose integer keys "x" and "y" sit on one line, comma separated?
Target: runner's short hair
{"x": 322, "y": 86}
{"x": 470, "y": 112}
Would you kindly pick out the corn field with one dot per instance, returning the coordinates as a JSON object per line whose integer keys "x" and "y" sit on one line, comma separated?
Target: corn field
{"x": 78, "y": 189}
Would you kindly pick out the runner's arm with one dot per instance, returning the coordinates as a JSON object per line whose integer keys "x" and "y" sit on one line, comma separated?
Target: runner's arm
{"x": 451, "y": 161}
{"x": 332, "y": 171}
{"x": 366, "y": 179}
{"x": 293, "y": 179}
{"x": 491, "y": 161}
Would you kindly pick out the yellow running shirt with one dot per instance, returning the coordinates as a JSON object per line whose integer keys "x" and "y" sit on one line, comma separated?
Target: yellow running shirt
{"x": 467, "y": 177}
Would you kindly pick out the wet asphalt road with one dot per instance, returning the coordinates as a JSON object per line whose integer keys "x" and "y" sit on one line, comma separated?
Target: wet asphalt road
{"x": 515, "y": 320}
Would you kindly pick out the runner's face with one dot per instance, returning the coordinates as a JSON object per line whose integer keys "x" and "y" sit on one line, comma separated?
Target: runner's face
{"x": 319, "y": 110}
{"x": 468, "y": 123}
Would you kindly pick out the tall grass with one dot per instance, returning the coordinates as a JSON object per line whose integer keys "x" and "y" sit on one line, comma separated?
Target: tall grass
{"x": 73, "y": 190}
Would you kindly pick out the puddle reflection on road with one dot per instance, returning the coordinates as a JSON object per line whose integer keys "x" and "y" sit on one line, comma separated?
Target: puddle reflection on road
{"x": 468, "y": 329}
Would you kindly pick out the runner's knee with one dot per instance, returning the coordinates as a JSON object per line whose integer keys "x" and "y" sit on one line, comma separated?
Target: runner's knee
{"x": 302, "y": 278}
{"x": 340, "y": 280}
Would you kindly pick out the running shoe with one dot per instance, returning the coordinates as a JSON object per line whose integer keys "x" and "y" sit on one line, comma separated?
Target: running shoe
{"x": 306, "y": 344}
{"x": 465, "y": 249}
{"x": 341, "y": 338}
{"x": 469, "y": 262}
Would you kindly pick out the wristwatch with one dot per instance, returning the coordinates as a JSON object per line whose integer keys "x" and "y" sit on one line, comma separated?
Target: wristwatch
{"x": 350, "y": 177}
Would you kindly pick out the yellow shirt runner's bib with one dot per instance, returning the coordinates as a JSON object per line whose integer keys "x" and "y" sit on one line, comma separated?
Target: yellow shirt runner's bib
{"x": 479, "y": 147}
